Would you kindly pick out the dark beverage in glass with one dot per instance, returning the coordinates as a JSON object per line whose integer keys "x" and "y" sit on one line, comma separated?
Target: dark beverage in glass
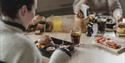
{"x": 101, "y": 21}
{"x": 75, "y": 37}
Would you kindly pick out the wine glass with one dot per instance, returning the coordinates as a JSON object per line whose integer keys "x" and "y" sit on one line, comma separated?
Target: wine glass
{"x": 75, "y": 35}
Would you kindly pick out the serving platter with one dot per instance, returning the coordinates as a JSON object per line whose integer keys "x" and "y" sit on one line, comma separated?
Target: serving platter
{"x": 116, "y": 51}
{"x": 120, "y": 45}
{"x": 48, "y": 49}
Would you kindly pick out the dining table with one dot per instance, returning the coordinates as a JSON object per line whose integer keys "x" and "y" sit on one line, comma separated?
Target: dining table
{"x": 87, "y": 52}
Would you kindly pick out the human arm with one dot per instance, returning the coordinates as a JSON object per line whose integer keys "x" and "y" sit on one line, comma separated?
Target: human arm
{"x": 77, "y": 5}
{"x": 29, "y": 53}
{"x": 116, "y": 9}
{"x": 18, "y": 49}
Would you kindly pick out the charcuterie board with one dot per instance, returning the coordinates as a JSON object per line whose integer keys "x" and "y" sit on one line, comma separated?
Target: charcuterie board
{"x": 111, "y": 44}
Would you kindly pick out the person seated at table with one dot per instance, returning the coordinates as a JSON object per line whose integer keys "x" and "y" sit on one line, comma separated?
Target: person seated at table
{"x": 15, "y": 47}
{"x": 100, "y": 7}
{"x": 78, "y": 21}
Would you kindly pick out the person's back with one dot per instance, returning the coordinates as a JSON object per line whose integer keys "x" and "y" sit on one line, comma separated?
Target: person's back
{"x": 15, "y": 47}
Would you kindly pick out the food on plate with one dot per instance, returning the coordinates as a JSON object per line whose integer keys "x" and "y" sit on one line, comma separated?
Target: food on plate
{"x": 107, "y": 42}
{"x": 37, "y": 32}
{"x": 121, "y": 28}
{"x": 40, "y": 45}
{"x": 121, "y": 25}
{"x": 37, "y": 23}
{"x": 50, "y": 48}
{"x": 112, "y": 44}
{"x": 64, "y": 46}
{"x": 100, "y": 39}
{"x": 45, "y": 39}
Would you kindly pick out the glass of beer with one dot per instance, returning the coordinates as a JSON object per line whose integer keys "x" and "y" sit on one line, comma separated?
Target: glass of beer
{"x": 75, "y": 35}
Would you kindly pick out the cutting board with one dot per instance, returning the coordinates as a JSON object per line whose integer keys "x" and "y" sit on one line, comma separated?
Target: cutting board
{"x": 116, "y": 51}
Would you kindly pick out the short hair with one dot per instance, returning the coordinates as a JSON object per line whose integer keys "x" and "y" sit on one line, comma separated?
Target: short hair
{"x": 10, "y": 8}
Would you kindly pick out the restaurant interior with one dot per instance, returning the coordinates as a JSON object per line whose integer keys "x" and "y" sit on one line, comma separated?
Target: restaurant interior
{"x": 89, "y": 50}
{"x": 65, "y": 37}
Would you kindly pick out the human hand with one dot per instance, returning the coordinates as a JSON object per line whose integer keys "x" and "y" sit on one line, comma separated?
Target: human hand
{"x": 119, "y": 18}
{"x": 80, "y": 14}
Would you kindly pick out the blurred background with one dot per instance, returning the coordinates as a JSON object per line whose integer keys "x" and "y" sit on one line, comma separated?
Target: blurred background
{"x": 60, "y": 7}
{"x": 55, "y": 7}
{"x": 123, "y": 6}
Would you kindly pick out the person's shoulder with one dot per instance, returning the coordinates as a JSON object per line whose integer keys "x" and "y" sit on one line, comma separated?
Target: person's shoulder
{"x": 23, "y": 39}
{"x": 15, "y": 43}
{"x": 18, "y": 39}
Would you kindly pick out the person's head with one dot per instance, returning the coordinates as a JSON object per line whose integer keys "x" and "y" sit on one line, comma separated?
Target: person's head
{"x": 22, "y": 10}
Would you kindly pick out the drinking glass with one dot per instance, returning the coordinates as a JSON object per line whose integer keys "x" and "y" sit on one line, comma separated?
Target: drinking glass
{"x": 75, "y": 35}
{"x": 57, "y": 23}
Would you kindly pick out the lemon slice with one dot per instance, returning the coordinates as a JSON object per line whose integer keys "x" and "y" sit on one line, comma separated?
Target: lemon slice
{"x": 78, "y": 33}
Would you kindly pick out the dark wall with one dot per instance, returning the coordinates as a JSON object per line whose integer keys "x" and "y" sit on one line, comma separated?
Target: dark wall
{"x": 55, "y": 7}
